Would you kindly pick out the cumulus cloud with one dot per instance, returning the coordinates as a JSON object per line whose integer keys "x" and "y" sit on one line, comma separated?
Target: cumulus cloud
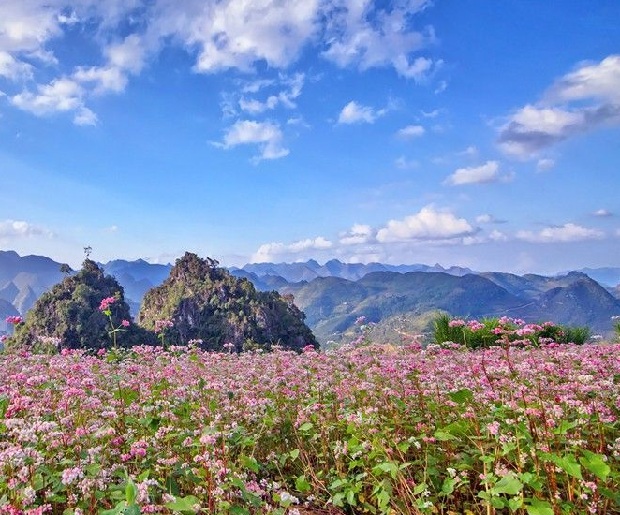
{"x": 219, "y": 35}
{"x": 411, "y": 131}
{"x": 13, "y": 69}
{"x": 58, "y": 95}
{"x": 488, "y": 172}
{"x": 365, "y": 35}
{"x": 358, "y": 234}
{"x": 277, "y": 250}
{"x": 563, "y": 234}
{"x": 267, "y": 135}
{"x": 585, "y": 99}
{"x": 428, "y": 224}
{"x": 15, "y": 229}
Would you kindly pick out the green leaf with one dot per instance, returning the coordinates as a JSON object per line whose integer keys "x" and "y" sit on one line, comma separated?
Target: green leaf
{"x": 386, "y": 467}
{"x": 250, "y": 463}
{"x": 448, "y": 485}
{"x": 595, "y": 463}
{"x": 239, "y": 510}
{"x": 462, "y": 396}
{"x": 569, "y": 464}
{"x": 514, "y": 503}
{"x": 132, "y": 509}
{"x": 306, "y": 426}
{"x": 302, "y": 485}
{"x": 294, "y": 454}
{"x": 507, "y": 485}
{"x": 131, "y": 492}
{"x": 184, "y": 504}
{"x": 538, "y": 507}
{"x": 119, "y": 509}
{"x": 564, "y": 427}
{"x": 443, "y": 436}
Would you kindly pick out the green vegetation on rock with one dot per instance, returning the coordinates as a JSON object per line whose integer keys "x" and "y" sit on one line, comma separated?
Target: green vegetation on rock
{"x": 68, "y": 315}
{"x": 206, "y": 303}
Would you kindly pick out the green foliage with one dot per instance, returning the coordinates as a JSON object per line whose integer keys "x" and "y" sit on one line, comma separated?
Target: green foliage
{"x": 206, "y": 303}
{"x": 493, "y": 331}
{"x": 68, "y": 315}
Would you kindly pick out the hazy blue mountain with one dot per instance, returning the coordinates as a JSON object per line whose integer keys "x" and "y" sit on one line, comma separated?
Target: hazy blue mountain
{"x": 24, "y": 278}
{"x": 334, "y": 294}
{"x": 606, "y": 276}
{"x": 136, "y": 278}
{"x": 309, "y": 270}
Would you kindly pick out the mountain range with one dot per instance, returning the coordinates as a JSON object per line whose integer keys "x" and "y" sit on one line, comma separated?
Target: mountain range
{"x": 334, "y": 295}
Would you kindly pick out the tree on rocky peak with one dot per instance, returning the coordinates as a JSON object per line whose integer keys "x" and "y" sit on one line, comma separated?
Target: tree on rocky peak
{"x": 69, "y": 314}
{"x": 205, "y": 302}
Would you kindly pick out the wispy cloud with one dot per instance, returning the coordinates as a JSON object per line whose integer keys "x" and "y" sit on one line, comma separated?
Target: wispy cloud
{"x": 561, "y": 234}
{"x": 357, "y": 113}
{"x": 582, "y": 100}
{"x": 486, "y": 173}
{"x": 277, "y": 250}
{"x": 411, "y": 131}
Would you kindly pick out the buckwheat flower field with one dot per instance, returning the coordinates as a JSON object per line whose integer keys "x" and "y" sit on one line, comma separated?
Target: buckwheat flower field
{"x": 371, "y": 429}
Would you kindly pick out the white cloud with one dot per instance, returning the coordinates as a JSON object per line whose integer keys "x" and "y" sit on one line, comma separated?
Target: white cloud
{"x": 13, "y": 69}
{"x": 545, "y": 164}
{"x": 488, "y": 172}
{"x": 363, "y": 35}
{"x": 275, "y": 251}
{"x": 285, "y": 98}
{"x": 428, "y": 224}
{"x": 357, "y": 113}
{"x": 266, "y": 135}
{"x": 59, "y": 95}
{"x": 579, "y": 102}
{"x": 358, "y": 234}
{"x": 563, "y": 234}
{"x": 15, "y": 229}
{"x": 85, "y": 117}
{"x": 485, "y": 219}
{"x": 603, "y": 213}
{"x": 411, "y": 131}
{"x": 471, "y": 151}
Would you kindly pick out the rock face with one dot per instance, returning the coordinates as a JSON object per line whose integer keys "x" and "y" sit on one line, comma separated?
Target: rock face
{"x": 69, "y": 312}
{"x": 205, "y": 302}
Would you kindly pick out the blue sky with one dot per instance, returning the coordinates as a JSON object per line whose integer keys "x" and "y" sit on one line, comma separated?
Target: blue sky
{"x": 482, "y": 134}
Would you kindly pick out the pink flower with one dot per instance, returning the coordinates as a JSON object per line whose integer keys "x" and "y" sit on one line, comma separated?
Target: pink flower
{"x": 161, "y": 325}
{"x": 14, "y": 319}
{"x": 125, "y": 323}
{"x": 456, "y": 323}
{"x": 106, "y": 303}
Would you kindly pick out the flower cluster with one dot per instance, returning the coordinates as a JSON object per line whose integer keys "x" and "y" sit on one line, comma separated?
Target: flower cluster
{"x": 376, "y": 429}
{"x": 162, "y": 325}
{"x": 14, "y": 320}
{"x": 106, "y": 303}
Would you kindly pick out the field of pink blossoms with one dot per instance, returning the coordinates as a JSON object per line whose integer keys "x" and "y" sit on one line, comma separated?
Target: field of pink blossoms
{"x": 384, "y": 430}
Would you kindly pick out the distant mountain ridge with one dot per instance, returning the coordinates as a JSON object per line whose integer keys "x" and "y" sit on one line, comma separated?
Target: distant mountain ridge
{"x": 334, "y": 294}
